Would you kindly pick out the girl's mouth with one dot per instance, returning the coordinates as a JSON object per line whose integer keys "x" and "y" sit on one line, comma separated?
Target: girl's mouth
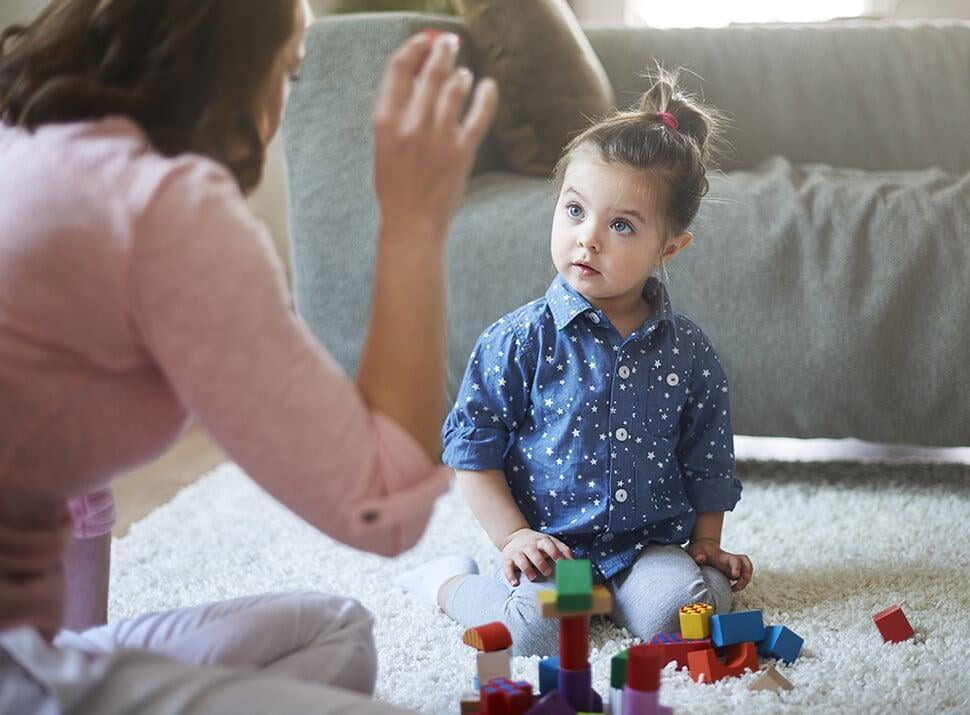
{"x": 584, "y": 270}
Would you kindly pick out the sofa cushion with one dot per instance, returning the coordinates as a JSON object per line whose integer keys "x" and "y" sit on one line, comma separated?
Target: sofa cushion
{"x": 550, "y": 80}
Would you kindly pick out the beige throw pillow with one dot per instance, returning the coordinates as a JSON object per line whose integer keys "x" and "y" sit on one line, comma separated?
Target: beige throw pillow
{"x": 550, "y": 81}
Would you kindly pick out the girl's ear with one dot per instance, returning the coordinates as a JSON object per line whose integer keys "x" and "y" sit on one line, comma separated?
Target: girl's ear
{"x": 676, "y": 245}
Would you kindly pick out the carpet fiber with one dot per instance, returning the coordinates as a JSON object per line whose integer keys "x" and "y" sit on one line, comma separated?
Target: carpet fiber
{"x": 832, "y": 544}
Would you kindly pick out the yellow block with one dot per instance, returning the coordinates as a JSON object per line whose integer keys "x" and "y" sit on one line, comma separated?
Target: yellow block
{"x": 695, "y": 620}
{"x": 602, "y": 603}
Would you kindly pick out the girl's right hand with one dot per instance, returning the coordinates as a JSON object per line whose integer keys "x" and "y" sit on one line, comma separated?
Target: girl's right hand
{"x": 528, "y": 550}
{"x": 423, "y": 152}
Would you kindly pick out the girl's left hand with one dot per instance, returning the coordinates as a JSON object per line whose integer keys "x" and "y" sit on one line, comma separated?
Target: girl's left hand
{"x": 736, "y": 567}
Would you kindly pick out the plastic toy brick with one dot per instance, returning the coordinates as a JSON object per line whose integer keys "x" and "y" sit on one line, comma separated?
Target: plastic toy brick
{"x": 503, "y": 697}
{"x": 771, "y": 680}
{"x": 548, "y": 674}
{"x": 695, "y": 620}
{"x": 488, "y": 637}
{"x": 577, "y": 687}
{"x": 494, "y": 664}
{"x": 470, "y": 703}
{"x": 546, "y": 598}
{"x": 618, "y": 664}
{"x": 706, "y": 667}
{"x": 893, "y": 624}
{"x": 673, "y": 647}
{"x": 741, "y": 627}
{"x": 552, "y": 703}
{"x": 574, "y": 642}
{"x": 781, "y": 643}
{"x": 574, "y": 585}
{"x": 641, "y": 696}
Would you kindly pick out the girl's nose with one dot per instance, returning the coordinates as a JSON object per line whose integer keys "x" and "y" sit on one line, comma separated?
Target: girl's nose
{"x": 588, "y": 242}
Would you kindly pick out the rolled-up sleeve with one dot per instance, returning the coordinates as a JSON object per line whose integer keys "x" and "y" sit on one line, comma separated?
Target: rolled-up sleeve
{"x": 210, "y": 304}
{"x": 492, "y": 400}
{"x": 705, "y": 448}
{"x": 93, "y": 513}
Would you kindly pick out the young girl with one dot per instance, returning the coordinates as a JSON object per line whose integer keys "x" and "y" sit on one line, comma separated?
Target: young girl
{"x": 594, "y": 422}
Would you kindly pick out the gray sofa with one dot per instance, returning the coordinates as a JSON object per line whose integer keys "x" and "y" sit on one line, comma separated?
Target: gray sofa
{"x": 830, "y": 262}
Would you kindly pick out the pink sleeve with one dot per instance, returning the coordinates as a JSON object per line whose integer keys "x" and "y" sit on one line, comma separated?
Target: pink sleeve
{"x": 93, "y": 513}
{"x": 211, "y": 305}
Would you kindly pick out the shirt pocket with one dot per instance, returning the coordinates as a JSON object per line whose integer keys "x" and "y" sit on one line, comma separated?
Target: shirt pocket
{"x": 666, "y": 399}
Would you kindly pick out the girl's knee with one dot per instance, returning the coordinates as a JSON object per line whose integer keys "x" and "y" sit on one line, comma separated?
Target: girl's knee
{"x": 531, "y": 633}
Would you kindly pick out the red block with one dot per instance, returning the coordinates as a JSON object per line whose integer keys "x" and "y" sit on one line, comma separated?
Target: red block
{"x": 643, "y": 668}
{"x": 706, "y": 663}
{"x": 505, "y": 697}
{"x": 893, "y": 624}
{"x": 574, "y": 642}
{"x": 672, "y": 646}
{"x": 488, "y": 637}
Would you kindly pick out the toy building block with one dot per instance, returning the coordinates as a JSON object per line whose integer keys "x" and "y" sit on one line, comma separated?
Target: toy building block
{"x": 771, "y": 680}
{"x": 488, "y": 637}
{"x": 470, "y": 703}
{"x": 673, "y": 647}
{"x": 641, "y": 695}
{"x": 602, "y": 603}
{"x": 577, "y": 687}
{"x": 741, "y": 627}
{"x": 574, "y": 642}
{"x": 616, "y": 700}
{"x": 494, "y": 664}
{"x": 705, "y": 665}
{"x": 548, "y": 674}
{"x": 893, "y": 624}
{"x": 552, "y": 703}
{"x": 574, "y": 585}
{"x": 695, "y": 620}
{"x": 618, "y": 665}
{"x": 780, "y": 643}
{"x": 504, "y": 697}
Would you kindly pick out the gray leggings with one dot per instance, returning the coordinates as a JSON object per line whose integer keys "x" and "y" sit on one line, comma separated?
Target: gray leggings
{"x": 646, "y": 599}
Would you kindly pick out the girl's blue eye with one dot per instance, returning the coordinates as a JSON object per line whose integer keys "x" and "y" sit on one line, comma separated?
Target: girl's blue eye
{"x": 569, "y": 210}
{"x": 621, "y": 222}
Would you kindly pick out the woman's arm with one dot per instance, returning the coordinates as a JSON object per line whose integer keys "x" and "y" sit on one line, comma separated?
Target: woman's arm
{"x": 490, "y": 499}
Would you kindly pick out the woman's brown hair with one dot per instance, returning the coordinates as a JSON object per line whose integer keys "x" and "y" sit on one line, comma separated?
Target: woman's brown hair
{"x": 640, "y": 138}
{"x": 192, "y": 74}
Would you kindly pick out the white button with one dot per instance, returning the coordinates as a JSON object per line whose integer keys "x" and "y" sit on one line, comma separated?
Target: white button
{"x": 593, "y": 316}
{"x": 621, "y": 434}
{"x": 607, "y": 537}
{"x": 620, "y": 495}
{"x": 672, "y": 379}
{"x": 623, "y": 372}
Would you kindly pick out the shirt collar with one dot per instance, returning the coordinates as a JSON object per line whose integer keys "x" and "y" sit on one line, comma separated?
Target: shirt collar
{"x": 565, "y": 303}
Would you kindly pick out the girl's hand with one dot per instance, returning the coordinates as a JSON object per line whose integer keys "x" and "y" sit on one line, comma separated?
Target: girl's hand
{"x": 423, "y": 153}
{"x": 529, "y": 550}
{"x": 736, "y": 567}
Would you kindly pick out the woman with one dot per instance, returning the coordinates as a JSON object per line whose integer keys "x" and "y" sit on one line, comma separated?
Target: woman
{"x": 137, "y": 291}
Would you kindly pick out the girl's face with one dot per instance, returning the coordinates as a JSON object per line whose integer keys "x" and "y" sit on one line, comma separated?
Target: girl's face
{"x": 607, "y": 234}
{"x": 287, "y": 64}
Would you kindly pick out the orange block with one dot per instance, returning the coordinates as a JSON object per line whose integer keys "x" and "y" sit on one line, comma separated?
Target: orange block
{"x": 488, "y": 637}
{"x": 706, "y": 664}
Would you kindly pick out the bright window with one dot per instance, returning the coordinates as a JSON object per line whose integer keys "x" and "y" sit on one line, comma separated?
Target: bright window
{"x": 715, "y": 13}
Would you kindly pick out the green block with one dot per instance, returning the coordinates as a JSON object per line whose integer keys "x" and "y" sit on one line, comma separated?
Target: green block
{"x": 574, "y": 585}
{"x": 618, "y": 669}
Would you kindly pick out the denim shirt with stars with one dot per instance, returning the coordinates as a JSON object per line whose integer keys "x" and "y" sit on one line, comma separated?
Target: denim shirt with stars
{"x": 606, "y": 443}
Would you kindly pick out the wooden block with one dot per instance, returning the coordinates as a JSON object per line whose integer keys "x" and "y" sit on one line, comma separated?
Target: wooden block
{"x": 893, "y": 624}
{"x": 574, "y": 642}
{"x": 706, "y": 667}
{"x": 618, "y": 665}
{"x": 741, "y": 627}
{"x": 695, "y": 620}
{"x": 602, "y": 603}
{"x": 673, "y": 647}
{"x": 470, "y": 703}
{"x": 574, "y": 585}
{"x": 504, "y": 697}
{"x": 782, "y": 643}
{"x": 771, "y": 680}
{"x": 494, "y": 664}
{"x": 488, "y": 637}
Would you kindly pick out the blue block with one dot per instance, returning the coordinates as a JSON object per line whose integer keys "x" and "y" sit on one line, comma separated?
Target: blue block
{"x": 780, "y": 643}
{"x": 731, "y": 628}
{"x": 548, "y": 674}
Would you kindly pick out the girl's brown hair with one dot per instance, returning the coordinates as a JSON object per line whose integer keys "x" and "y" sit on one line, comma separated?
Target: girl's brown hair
{"x": 679, "y": 158}
{"x": 193, "y": 74}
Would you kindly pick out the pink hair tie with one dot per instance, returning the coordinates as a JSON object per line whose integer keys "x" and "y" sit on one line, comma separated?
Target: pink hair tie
{"x": 669, "y": 119}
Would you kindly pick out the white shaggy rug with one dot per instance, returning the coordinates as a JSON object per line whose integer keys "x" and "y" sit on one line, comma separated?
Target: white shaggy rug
{"x": 832, "y": 544}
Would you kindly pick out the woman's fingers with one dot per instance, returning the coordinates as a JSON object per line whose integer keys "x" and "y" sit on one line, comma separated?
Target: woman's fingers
{"x": 399, "y": 78}
{"x": 452, "y": 100}
{"x": 480, "y": 115}
{"x": 434, "y": 74}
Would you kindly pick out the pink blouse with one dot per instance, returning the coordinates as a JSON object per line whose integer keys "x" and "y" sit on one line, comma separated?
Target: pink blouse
{"x": 136, "y": 290}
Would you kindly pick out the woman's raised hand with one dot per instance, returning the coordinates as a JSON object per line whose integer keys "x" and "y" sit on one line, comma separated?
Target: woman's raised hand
{"x": 424, "y": 150}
